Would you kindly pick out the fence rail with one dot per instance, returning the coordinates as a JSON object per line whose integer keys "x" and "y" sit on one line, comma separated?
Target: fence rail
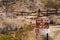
{"x": 47, "y": 12}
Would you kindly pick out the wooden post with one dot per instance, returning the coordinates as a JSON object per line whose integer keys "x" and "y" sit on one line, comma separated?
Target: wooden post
{"x": 38, "y": 13}
{"x": 47, "y": 13}
{"x": 56, "y": 11}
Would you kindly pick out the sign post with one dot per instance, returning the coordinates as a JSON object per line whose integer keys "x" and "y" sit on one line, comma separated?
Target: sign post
{"x": 42, "y": 23}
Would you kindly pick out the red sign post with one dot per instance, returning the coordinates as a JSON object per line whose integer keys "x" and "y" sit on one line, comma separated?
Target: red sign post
{"x": 41, "y": 23}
